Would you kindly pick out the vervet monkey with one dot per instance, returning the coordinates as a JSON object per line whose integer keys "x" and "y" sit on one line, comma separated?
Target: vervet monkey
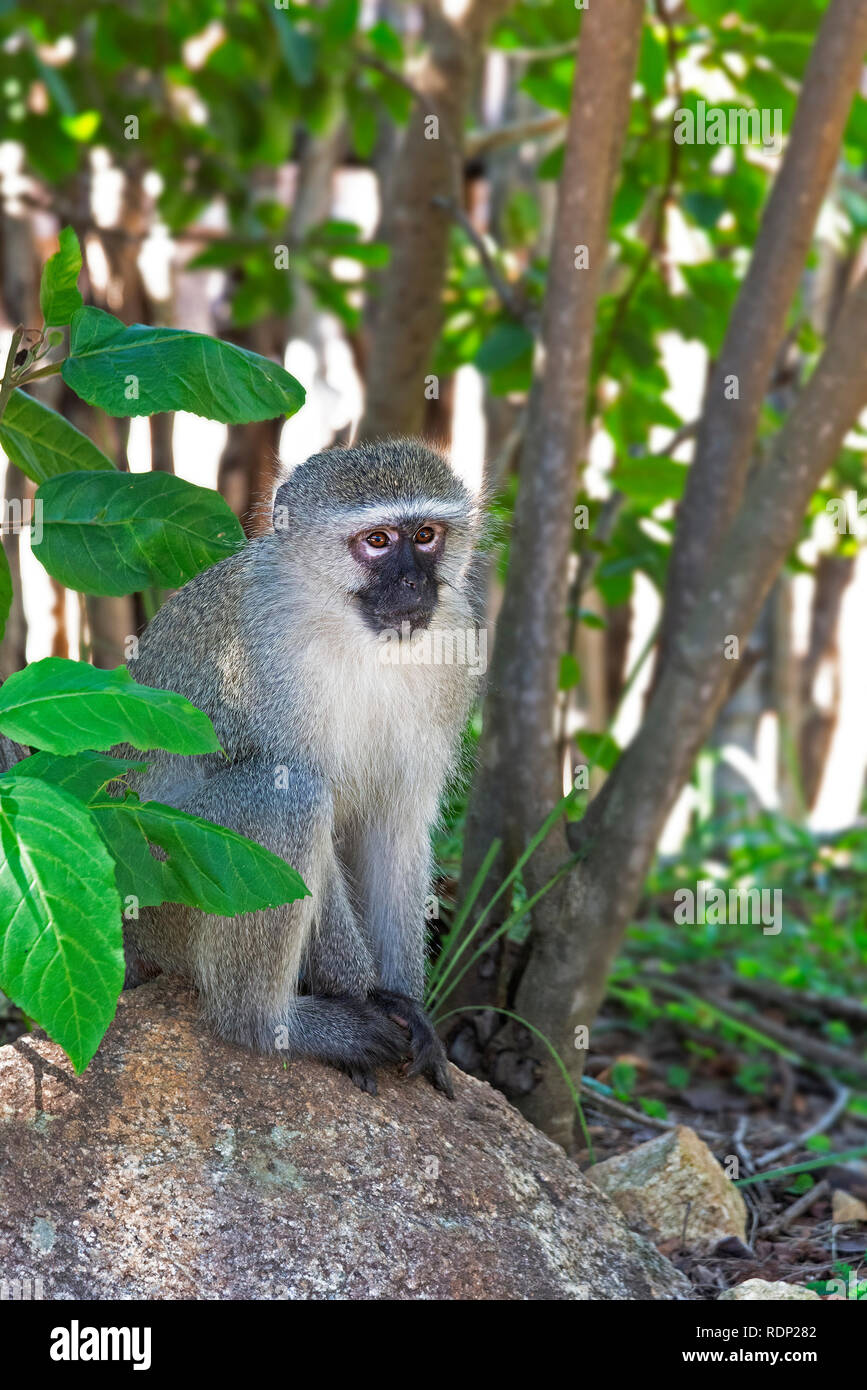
{"x": 335, "y": 754}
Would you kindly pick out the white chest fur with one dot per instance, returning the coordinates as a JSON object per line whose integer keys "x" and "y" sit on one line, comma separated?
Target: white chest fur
{"x": 378, "y": 726}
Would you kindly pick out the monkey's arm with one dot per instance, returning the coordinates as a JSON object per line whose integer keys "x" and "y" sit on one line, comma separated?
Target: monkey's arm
{"x": 393, "y": 864}
{"x": 246, "y": 968}
{"x": 338, "y": 958}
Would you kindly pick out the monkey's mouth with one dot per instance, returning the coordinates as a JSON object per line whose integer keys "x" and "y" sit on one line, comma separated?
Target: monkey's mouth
{"x": 403, "y": 621}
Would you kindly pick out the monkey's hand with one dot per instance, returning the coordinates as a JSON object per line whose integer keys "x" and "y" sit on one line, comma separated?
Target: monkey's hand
{"x": 428, "y": 1054}
{"x": 368, "y": 1038}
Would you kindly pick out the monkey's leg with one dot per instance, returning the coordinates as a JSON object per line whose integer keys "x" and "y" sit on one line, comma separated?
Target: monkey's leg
{"x": 339, "y": 962}
{"x": 137, "y": 972}
{"x": 338, "y": 959}
{"x": 246, "y": 968}
{"x": 393, "y": 868}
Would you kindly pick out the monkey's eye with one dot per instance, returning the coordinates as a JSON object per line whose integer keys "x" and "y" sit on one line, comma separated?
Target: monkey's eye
{"x": 377, "y": 539}
{"x": 425, "y": 535}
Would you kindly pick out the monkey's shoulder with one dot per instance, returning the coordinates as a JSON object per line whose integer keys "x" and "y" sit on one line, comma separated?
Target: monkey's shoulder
{"x": 198, "y": 643}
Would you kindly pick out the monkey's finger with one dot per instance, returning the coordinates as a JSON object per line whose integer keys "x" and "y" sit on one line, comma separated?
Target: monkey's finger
{"x": 440, "y": 1079}
{"x": 364, "y": 1080}
{"x": 433, "y": 1068}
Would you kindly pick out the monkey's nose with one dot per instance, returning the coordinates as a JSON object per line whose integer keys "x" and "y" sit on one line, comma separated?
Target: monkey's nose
{"x": 414, "y": 581}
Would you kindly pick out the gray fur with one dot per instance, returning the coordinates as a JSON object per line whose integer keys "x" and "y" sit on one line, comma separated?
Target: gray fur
{"x": 270, "y": 643}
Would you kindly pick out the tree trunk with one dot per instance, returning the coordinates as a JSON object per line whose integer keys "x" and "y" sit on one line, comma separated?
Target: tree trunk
{"x": 737, "y": 724}
{"x": 428, "y": 167}
{"x": 818, "y": 719}
{"x": 20, "y": 293}
{"x": 517, "y": 781}
{"x": 565, "y": 979}
{"x": 578, "y": 925}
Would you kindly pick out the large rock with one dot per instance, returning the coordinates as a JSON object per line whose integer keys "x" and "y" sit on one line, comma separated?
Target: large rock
{"x": 673, "y": 1190}
{"x": 182, "y": 1167}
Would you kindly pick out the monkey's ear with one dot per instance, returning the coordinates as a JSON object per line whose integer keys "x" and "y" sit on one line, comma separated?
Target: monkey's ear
{"x": 280, "y": 509}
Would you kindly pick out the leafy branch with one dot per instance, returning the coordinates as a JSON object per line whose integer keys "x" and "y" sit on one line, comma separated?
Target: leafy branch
{"x": 73, "y": 858}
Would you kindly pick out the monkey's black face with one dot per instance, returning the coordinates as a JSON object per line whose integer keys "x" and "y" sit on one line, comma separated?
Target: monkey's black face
{"x": 401, "y": 562}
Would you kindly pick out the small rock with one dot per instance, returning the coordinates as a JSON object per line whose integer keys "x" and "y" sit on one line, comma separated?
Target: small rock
{"x": 845, "y": 1207}
{"x": 850, "y": 1177}
{"x": 673, "y": 1189}
{"x": 753, "y": 1290}
{"x": 733, "y": 1248}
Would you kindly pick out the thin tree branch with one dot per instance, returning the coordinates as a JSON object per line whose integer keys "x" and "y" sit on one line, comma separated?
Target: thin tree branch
{"x": 799, "y": 1001}
{"x": 370, "y": 60}
{"x": 510, "y": 296}
{"x": 482, "y": 142}
{"x": 545, "y": 54}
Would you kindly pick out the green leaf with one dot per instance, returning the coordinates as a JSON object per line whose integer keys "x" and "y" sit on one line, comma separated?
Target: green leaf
{"x": 602, "y": 750}
{"x": 677, "y": 1077}
{"x": 82, "y": 126}
{"x": 363, "y": 123}
{"x": 208, "y": 866}
{"x": 650, "y": 481}
{"x": 570, "y": 672}
{"x": 116, "y": 533}
{"x": 140, "y": 371}
{"x": 44, "y": 444}
{"x": 704, "y": 208}
{"x": 341, "y": 17}
{"x": 342, "y": 239}
{"x": 623, "y": 1078}
{"x": 67, "y": 706}
{"x": 83, "y": 776}
{"x": 386, "y": 42}
{"x": 59, "y": 295}
{"x": 819, "y": 1143}
{"x": 802, "y": 1183}
{"x": 711, "y": 11}
{"x": 298, "y": 49}
{"x": 61, "y": 953}
{"x": 507, "y": 344}
{"x": 5, "y": 589}
{"x": 221, "y": 255}
{"x": 713, "y": 287}
{"x": 550, "y": 84}
{"x": 654, "y": 1107}
{"x": 652, "y": 61}
{"x": 591, "y": 619}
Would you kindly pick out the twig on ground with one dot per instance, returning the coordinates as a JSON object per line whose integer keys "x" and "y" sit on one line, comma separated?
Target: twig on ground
{"x": 798, "y": 1046}
{"x": 806, "y": 1048}
{"x": 842, "y": 1096}
{"x": 626, "y": 1112}
{"x": 740, "y": 1147}
{"x": 791, "y": 1213}
{"x": 799, "y": 1001}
